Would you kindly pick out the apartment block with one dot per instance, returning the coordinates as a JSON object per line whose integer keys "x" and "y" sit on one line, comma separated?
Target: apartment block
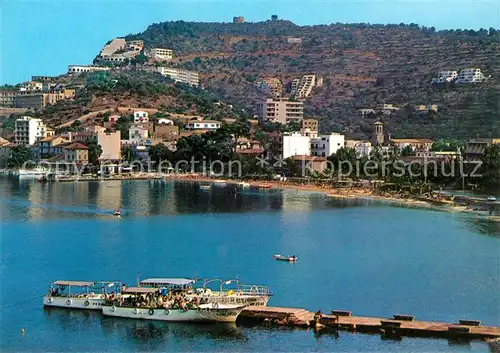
{"x": 161, "y": 54}
{"x": 309, "y": 128}
{"x": 180, "y": 75}
{"x": 470, "y": 75}
{"x": 7, "y": 98}
{"x": 294, "y": 144}
{"x": 326, "y": 145}
{"x": 28, "y": 130}
{"x": 282, "y": 111}
{"x": 79, "y": 69}
{"x": 302, "y": 87}
{"x": 111, "y": 146}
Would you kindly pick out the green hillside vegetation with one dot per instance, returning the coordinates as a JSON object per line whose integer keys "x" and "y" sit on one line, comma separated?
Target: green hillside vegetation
{"x": 362, "y": 65}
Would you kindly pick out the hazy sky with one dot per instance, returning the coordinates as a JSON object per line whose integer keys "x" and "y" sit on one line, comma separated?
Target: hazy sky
{"x": 41, "y": 37}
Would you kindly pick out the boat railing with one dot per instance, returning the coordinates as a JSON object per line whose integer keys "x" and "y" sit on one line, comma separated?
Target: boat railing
{"x": 248, "y": 289}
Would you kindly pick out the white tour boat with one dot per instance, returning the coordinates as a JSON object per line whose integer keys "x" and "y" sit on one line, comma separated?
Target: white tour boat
{"x": 35, "y": 172}
{"x": 148, "y": 304}
{"x": 228, "y": 291}
{"x": 81, "y": 294}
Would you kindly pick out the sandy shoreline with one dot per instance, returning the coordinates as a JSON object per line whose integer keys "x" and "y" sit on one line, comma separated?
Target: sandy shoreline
{"x": 338, "y": 193}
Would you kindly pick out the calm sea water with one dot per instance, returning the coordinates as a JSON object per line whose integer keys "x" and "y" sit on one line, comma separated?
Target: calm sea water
{"x": 362, "y": 256}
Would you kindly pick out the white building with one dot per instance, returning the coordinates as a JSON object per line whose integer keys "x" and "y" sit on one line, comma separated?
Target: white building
{"x": 137, "y": 132}
{"x": 78, "y": 69}
{"x": 326, "y": 145}
{"x": 141, "y": 117}
{"x": 363, "y": 149}
{"x": 180, "y": 75}
{"x": 470, "y": 75}
{"x": 161, "y": 54}
{"x": 165, "y": 121}
{"x": 281, "y": 111}
{"x": 28, "y": 130}
{"x": 203, "y": 125}
{"x": 295, "y": 144}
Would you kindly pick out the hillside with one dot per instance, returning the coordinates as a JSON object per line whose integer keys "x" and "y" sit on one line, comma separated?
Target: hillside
{"x": 122, "y": 91}
{"x": 362, "y": 66}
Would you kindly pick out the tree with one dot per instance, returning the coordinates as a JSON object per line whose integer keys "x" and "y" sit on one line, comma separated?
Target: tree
{"x": 344, "y": 161}
{"x": 95, "y": 150}
{"x": 407, "y": 151}
{"x": 20, "y": 154}
{"x": 128, "y": 154}
{"x": 159, "y": 153}
{"x": 490, "y": 169}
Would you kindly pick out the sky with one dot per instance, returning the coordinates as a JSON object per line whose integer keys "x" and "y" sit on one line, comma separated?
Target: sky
{"x": 43, "y": 37}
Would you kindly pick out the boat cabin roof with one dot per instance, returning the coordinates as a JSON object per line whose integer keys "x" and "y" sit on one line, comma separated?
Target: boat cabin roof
{"x": 73, "y": 283}
{"x": 140, "y": 290}
{"x": 167, "y": 281}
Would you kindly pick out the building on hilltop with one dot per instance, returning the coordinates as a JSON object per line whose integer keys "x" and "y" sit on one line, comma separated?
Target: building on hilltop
{"x": 161, "y": 54}
{"x": 470, "y": 75}
{"x": 78, "y": 69}
{"x": 28, "y": 130}
{"x": 302, "y": 87}
{"x": 191, "y": 78}
{"x": 238, "y": 19}
{"x": 7, "y": 97}
{"x": 113, "y": 46}
{"x": 281, "y": 111}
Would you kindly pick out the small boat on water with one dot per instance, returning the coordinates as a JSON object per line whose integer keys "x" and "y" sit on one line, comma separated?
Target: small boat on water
{"x": 81, "y": 294}
{"x": 31, "y": 173}
{"x": 265, "y": 186}
{"x": 288, "y": 258}
{"x": 205, "y": 187}
{"x": 244, "y": 184}
{"x": 150, "y": 304}
{"x": 117, "y": 212}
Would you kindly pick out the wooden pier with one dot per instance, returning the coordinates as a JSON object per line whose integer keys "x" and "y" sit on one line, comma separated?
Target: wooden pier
{"x": 396, "y": 326}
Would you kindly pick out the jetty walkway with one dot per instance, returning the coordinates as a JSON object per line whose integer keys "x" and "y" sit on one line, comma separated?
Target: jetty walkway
{"x": 396, "y": 326}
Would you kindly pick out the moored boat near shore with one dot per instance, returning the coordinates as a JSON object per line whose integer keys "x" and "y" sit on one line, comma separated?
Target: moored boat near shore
{"x": 228, "y": 291}
{"x": 81, "y": 294}
{"x": 150, "y": 304}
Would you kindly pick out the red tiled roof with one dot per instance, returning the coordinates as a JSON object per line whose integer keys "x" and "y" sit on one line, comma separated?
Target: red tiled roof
{"x": 76, "y": 146}
{"x": 251, "y": 151}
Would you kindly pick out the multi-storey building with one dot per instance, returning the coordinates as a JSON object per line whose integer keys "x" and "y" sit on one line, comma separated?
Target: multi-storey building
{"x": 326, "y": 145}
{"x": 309, "y": 127}
{"x": 470, "y": 75}
{"x": 28, "y": 130}
{"x": 180, "y": 75}
{"x": 302, "y": 88}
{"x": 281, "y": 111}
{"x": 111, "y": 146}
{"x": 78, "y": 69}
{"x": 161, "y": 54}
{"x": 272, "y": 86}
{"x": 294, "y": 144}
{"x": 7, "y": 98}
